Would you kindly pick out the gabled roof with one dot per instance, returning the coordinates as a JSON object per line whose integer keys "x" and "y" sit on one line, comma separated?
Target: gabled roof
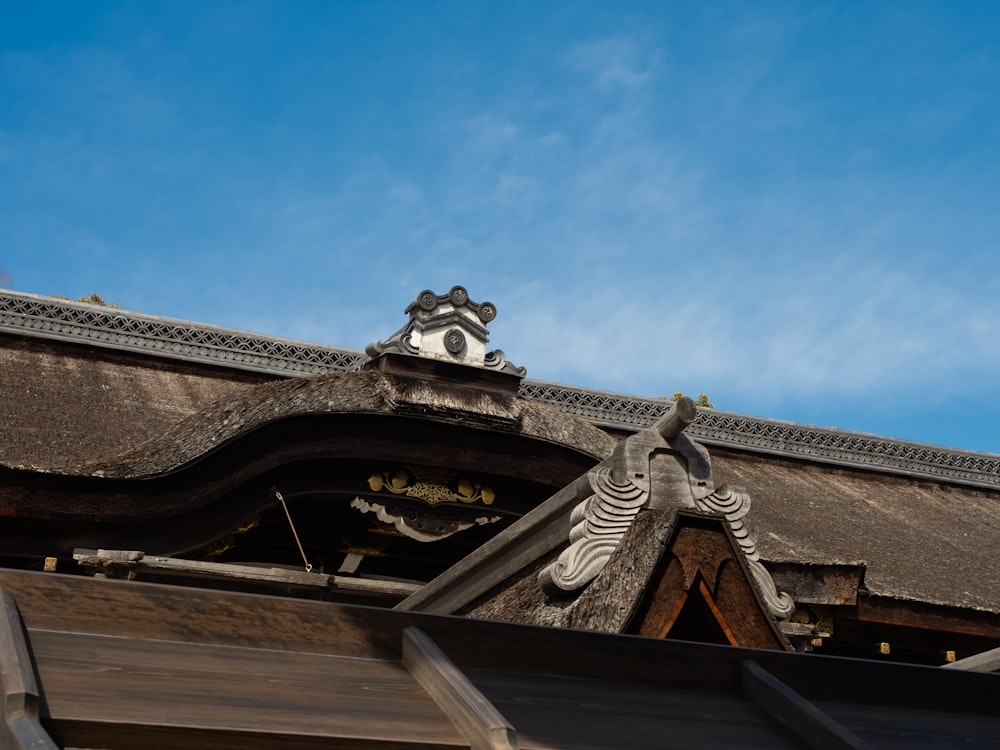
{"x": 573, "y": 543}
{"x": 36, "y": 316}
{"x": 676, "y": 573}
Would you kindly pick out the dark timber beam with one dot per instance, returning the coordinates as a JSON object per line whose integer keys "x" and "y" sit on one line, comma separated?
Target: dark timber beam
{"x": 470, "y": 711}
{"x": 818, "y": 729}
{"x": 20, "y": 729}
{"x": 988, "y": 661}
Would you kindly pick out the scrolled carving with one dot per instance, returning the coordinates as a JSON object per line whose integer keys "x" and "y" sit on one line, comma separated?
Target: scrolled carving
{"x": 497, "y": 360}
{"x": 421, "y": 523}
{"x": 780, "y": 603}
{"x": 734, "y": 504}
{"x": 431, "y": 485}
{"x": 598, "y": 525}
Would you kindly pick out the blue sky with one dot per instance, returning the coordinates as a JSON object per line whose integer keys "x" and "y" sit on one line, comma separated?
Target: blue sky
{"x": 794, "y": 207}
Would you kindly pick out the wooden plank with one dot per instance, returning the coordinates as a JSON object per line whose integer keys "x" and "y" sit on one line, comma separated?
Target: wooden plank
{"x": 819, "y": 584}
{"x": 56, "y": 601}
{"x": 473, "y": 715}
{"x": 102, "y": 691}
{"x": 903, "y": 728}
{"x": 928, "y": 616}
{"x": 129, "y": 564}
{"x": 20, "y": 729}
{"x": 558, "y": 712}
{"x": 988, "y": 661}
{"x": 819, "y": 730}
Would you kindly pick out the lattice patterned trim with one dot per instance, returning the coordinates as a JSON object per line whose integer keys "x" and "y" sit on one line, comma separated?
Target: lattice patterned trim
{"x": 46, "y": 317}
{"x": 715, "y": 427}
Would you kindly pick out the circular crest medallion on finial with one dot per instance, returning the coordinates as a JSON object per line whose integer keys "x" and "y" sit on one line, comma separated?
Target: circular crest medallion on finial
{"x": 427, "y": 300}
{"x": 487, "y": 311}
{"x": 458, "y": 296}
{"x": 454, "y": 341}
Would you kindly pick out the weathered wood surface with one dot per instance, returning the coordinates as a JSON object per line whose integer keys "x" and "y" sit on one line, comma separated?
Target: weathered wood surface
{"x": 520, "y": 545}
{"x": 130, "y": 564}
{"x": 819, "y": 584}
{"x": 167, "y": 643}
{"x": 920, "y": 615}
{"x": 586, "y": 714}
{"x": 896, "y": 728}
{"x": 110, "y": 692}
{"x": 988, "y": 661}
{"x": 52, "y": 601}
{"x": 473, "y": 715}
{"x": 818, "y": 729}
{"x": 645, "y": 584}
{"x": 20, "y": 728}
{"x": 609, "y": 603}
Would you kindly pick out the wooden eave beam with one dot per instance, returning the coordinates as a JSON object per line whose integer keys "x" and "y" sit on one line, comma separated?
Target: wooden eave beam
{"x": 21, "y": 729}
{"x": 816, "y": 728}
{"x": 461, "y": 701}
{"x": 128, "y": 564}
{"x": 910, "y": 614}
{"x": 988, "y": 661}
{"x": 55, "y": 602}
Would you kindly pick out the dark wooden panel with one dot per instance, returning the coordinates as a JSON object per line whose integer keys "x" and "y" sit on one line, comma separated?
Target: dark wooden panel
{"x": 895, "y": 728}
{"x": 101, "y": 689}
{"x": 556, "y": 712}
{"x": 53, "y": 601}
{"x": 817, "y": 729}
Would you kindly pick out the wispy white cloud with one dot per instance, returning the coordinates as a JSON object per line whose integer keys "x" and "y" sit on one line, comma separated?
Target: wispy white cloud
{"x": 614, "y": 63}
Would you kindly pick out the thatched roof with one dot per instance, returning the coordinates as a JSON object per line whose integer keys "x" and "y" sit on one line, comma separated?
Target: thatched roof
{"x": 920, "y": 540}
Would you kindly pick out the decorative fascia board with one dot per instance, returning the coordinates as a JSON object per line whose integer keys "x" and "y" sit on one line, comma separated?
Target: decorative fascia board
{"x": 112, "y": 328}
{"x": 786, "y": 439}
{"x": 81, "y": 323}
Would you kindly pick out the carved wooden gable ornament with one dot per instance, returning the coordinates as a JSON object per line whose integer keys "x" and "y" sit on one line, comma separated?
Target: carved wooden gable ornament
{"x": 657, "y": 469}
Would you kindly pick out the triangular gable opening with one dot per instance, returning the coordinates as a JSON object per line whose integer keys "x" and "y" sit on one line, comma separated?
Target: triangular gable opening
{"x": 695, "y": 618}
{"x": 701, "y": 592}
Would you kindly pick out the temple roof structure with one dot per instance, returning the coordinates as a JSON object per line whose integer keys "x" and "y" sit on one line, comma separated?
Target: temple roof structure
{"x": 250, "y": 492}
{"x": 128, "y": 431}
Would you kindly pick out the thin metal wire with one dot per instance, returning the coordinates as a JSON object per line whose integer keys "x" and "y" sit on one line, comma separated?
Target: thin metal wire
{"x": 294, "y": 532}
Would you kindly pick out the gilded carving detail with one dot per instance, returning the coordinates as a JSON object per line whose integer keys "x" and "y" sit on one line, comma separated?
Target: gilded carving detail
{"x": 431, "y": 485}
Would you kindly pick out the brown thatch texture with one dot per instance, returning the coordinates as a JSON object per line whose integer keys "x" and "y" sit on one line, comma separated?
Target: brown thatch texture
{"x": 64, "y": 404}
{"x": 919, "y": 540}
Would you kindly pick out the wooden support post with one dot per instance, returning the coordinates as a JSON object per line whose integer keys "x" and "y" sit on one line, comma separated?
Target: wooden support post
{"x": 20, "y": 728}
{"x": 470, "y": 711}
{"x": 818, "y": 729}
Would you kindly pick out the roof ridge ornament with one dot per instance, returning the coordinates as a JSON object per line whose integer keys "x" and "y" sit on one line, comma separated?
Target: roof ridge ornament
{"x": 634, "y": 478}
{"x": 449, "y": 328}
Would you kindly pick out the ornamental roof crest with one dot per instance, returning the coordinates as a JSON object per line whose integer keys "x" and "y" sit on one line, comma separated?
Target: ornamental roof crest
{"x": 449, "y": 328}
